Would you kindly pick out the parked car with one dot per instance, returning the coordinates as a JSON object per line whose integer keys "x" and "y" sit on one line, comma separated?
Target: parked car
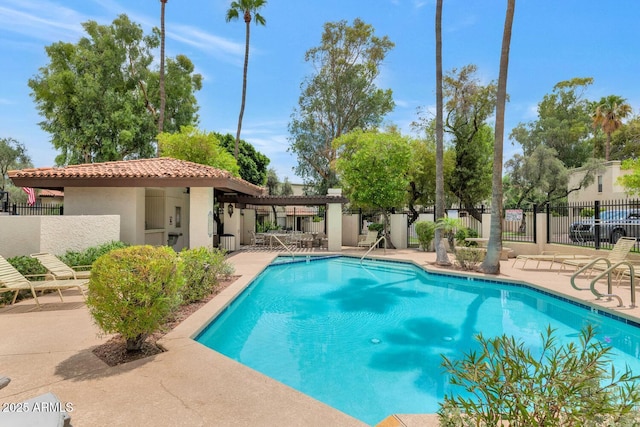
{"x": 613, "y": 225}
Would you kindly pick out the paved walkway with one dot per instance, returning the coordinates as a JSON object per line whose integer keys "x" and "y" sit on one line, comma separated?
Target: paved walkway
{"x": 190, "y": 385}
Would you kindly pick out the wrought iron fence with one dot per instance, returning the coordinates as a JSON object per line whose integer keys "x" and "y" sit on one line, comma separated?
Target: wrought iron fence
{"x": 519, "y": 224}
{"x": 37, "y": 209}
{"x": 597, "y": 224}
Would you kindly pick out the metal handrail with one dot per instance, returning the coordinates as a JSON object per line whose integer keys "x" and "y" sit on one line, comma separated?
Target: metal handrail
{"x": 374, "y": 246}
{"x": 285, "y": 246}
{"x": 610, "y": 293}
{"x": 586, "y": 267}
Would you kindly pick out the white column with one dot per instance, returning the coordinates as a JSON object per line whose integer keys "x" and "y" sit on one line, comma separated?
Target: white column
{"x": 334, "y": 226}
{"x": 201, "y": 217}
{"x": 398, "y": 230}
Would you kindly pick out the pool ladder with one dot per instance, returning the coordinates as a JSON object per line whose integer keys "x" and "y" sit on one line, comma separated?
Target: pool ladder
{"x": 284, "y": 246}
{"x": 374, "y": 246}
{"x": 607, "y": 272}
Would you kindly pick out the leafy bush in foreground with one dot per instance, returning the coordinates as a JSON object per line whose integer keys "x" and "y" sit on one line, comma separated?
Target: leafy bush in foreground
{"x": 567, "y": 385}
{"x": 133, "y": 291}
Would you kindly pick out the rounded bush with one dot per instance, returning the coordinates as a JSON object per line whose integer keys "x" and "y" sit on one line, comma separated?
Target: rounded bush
{"x": 133, "y": 291}
{"x": 426, "y": 231}
{"x": 202, "y": 269}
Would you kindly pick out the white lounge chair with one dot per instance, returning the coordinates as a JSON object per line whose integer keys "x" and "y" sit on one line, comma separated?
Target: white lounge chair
{"x": 12, "y": 281}
{"x": 550, "y": 256}
{"x": 45, "y": 410}
{"x": 60, "y": 270}
{"x": 370, "y": 240}
{"x": 619, "y": 253}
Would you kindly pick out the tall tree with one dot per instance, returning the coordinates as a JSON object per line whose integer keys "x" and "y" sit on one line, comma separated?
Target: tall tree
{"x": 373, "y": 170}
{"x": 99, "y": 97}
{"x": 563, "y": 123}
{"x": 197, "y": 146}
{"x": 253, "y": 164}
{"x": 469, "y": 105}
{"x": 246, "y": 8}
{"x": 163, "y": 3}
{"x": 13, "y": 155}
{"x": 441, "y": 252}
{"x": 340, "y": 97}
{"x": 491, "y": 263}
{"x": 608, "y": 115}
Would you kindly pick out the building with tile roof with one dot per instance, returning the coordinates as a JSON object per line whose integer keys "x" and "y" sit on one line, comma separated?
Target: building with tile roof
{"x": 159, "y": 200}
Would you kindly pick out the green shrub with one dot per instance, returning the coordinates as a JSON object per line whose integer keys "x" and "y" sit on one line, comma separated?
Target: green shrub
{"x": 376, "y": 226}
{"x": 468, "y": 258}
{"x": 89, "y": 255}
{"x": 567, "y": 385}
{"x": 27, "y": 265}
{"x": 465, "y": 232}
{"x": 426, "y": 231}
{"x": 134, "y": 290}
{"x": 202, "y": 269}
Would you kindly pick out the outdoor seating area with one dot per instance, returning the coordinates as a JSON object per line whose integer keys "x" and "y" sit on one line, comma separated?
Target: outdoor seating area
{"x": 12, "y": 281}
{"x": 289, "y": 240}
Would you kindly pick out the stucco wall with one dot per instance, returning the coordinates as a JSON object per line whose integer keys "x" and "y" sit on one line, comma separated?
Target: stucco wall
{"x": 201, "y": 217}
{"x": 19, "y": 235}
{"x": 55, "y": 234}
{"x": 129, "y": 203}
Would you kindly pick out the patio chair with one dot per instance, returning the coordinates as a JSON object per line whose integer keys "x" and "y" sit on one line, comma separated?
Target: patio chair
{"x": 619, "y": 253}
{"x": 12, "y": 281}
{"x": 45, "y": 410}
{"x": 257, "y": 238}
{"x": 60, "y": 270}
{"x": 370, "y": 240}
{"x": 550, "y": 256}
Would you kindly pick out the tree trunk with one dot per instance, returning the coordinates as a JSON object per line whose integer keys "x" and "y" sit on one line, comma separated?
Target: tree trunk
{"x": 491, "y": 263}
{"x": 387, "y": 235}
{"x": 135, "y": 344}
{"x": 441, "y": 252}
{"x": 247, "y": 20}
{"x": 162, "y": 91}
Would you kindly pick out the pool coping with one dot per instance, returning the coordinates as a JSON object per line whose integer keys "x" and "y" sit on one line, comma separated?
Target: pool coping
{"x": 185, "y": 334}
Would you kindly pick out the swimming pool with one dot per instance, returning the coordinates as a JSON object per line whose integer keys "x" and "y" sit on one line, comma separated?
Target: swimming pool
{"x": 367, "y": 339}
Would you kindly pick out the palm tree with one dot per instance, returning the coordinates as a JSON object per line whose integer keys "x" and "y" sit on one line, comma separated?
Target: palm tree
{"x": 441, "y": 253}
{"x": 247, "y": 8}
{"x": 608, "y": 115}
{"x": 491, "y": 263}
{"x": 162, "y": 93}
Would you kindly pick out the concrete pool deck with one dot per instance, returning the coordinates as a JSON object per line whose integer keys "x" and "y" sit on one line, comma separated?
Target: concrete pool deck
{"x": 50, "y": 350}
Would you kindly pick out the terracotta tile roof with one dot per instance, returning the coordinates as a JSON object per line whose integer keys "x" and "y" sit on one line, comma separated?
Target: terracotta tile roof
{"x": 162, "y": 168}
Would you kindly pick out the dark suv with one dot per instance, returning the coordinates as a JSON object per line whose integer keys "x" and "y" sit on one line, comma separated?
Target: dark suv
{"x": 613, "y": 225}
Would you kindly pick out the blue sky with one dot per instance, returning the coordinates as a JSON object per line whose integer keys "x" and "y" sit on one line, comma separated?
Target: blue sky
{"x": 552, "y": 41}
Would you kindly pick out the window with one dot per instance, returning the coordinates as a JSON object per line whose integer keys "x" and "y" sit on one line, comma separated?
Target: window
{"x": 178, "y": 217}
{"x": 599, "y": 183}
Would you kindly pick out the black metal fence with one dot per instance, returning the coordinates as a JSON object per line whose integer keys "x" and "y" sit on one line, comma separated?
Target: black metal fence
{"x": 597, "y": 224}
{"x": 25, "y": 209}
{"x": 519, "y": 224}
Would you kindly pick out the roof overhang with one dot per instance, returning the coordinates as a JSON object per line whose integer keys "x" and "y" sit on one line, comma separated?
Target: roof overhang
{"x": 281, "y": 200}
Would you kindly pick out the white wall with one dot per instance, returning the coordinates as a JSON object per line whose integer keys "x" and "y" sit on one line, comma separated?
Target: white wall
{"x": 398, "y": 230}
{"x": 350, "y": 229}
{"x": 201, "y": 217}
{"x": 24, "y": 235}
{"x": 129, "y": 203}
{"x": 611, "y": 190}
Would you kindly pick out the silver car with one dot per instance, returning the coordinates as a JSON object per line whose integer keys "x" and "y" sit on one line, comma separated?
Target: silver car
{"x": 613, "y": 225}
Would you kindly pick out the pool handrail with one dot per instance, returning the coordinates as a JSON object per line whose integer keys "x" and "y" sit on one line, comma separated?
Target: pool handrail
{"x": 610, "y": 293}
{"x": 587, "y": 267}
{"x": 374, "y": 246}
{"x": 285, "y": 246}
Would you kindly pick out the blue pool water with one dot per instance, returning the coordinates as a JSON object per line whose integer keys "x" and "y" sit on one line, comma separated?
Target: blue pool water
{"x": 367, "y": 339}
